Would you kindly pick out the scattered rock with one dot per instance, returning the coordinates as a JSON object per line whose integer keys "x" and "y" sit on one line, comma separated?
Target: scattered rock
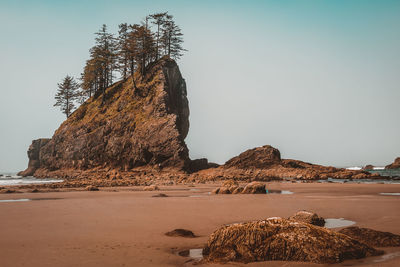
{"x": 181, "y": 233}
{"x": 308, "y": 217}
{"x": 151, "y": 188}
{"x": 254, "y": 188}
{"x": 285, "y": 240}
{"x": 91, "y": 188}
{"x": 372, "y": 237}
{"x": 160, "y": 195}
{"x": 35, "y": 190}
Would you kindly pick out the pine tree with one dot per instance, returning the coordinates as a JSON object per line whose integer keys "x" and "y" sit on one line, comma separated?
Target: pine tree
{"x": 158, "y": 19}
{"x": 123, "y": 49}
{"x": 172, "y": 38}
{"x": 66, "y": 94}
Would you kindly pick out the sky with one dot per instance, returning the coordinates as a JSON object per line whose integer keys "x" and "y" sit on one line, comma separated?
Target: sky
{"x": 317, "y": 79}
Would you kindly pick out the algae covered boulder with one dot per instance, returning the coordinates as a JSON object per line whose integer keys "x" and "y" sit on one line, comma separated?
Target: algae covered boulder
{"x": 282, "y": 240}
{"x": 372, "y": 237}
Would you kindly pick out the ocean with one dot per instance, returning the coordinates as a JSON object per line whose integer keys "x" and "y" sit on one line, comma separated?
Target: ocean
{"x": 10, "y": 178}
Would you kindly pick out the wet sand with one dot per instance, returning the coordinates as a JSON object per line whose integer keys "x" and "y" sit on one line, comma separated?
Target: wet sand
{"x": 126, "y": 227}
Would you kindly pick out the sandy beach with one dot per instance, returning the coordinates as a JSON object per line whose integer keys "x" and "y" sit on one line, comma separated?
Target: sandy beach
{"x": 126, "y": 226}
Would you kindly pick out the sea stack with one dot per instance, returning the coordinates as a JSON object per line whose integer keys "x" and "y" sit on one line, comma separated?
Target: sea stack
{"x": 141, "y": 122}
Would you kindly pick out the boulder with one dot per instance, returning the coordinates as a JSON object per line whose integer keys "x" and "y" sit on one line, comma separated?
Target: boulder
{"x": 254, "y": 188}
{"x": 151, "y": 188}
{"x": 308, "y": 217}
{"x": 259, "y": 157}
{"x": 282, "y": 240}
{"x": 91, "y": 188}
{"x": 372, "y": 237}
{"x": 180, "y": 233}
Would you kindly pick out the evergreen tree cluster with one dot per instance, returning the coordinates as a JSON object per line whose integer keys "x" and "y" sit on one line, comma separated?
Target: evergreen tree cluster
{"x": 133, "y": 49}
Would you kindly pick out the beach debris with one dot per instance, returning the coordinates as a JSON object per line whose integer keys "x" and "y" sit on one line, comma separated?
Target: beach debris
{"x": 283, "y": 240}
{"x": 181, "y": 233}
{"x": 372, "y": 237}
{"x": 91, "y": 188}
{"x": 308, "y": 217}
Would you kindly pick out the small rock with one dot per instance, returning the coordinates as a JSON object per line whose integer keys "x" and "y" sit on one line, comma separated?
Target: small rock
{"x": 181, "y": 233}
{"x": 308, "y": 217}
{"x": 254, "y": 188}
{"x": 91, "y": 188}
{"x": 151, "y": 188}
{"x": 160, "y": 195}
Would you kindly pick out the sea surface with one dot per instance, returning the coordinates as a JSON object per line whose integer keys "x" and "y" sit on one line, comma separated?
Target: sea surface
{"x": 10, "y": 178}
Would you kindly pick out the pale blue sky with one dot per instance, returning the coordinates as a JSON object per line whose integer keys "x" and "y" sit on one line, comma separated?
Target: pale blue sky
{"x": 318, "y": 79}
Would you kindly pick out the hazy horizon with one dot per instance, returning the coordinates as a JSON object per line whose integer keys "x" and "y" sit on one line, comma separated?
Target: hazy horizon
{"x": 319, "y": 80}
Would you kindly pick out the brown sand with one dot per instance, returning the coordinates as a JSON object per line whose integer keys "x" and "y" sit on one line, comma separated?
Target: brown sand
{"x": 126, "y": 228}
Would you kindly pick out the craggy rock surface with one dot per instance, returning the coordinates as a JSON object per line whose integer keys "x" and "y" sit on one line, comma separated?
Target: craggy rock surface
{"x": 34, "y": 156}
{"x": 308, "y": 217}
{"x": 264, "y": 164}
{"x": 285, "y": 240}
{"x": 372, "y": 237}
{"x": 139, "y": 126}
{"x": 394, "y": 165}
{"x": 259, "y": 157}
{"x": 181, "y": 233}
{"x": 230, "y": 187}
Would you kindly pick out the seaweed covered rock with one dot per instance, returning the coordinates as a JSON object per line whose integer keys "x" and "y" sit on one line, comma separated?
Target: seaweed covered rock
{"x": 308, "y": 217}
{"x": 283, "y": 240}
{"x": 372, "y": 237}
{"x": 142, "y": 121}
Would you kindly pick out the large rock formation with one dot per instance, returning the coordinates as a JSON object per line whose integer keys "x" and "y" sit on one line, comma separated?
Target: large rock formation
{"x": 372, "y": 237}
{"x": 284, "y": 240}
{"x": 136, "y": 126}
{"x": 394, "y": 165}
{"x": 34, "y": 156}
{"x": 265, "y": 163}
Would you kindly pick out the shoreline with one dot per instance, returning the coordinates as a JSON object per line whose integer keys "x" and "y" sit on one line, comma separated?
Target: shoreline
{"x": 125, "y": 226}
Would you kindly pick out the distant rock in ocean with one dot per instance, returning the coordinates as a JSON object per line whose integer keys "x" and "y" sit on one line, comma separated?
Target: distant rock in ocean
{"x": 394, "y": 165}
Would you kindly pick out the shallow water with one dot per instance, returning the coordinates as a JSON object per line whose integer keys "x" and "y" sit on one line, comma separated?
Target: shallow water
{"x": 15, "y": 200}
{"x": 360, "y": 181}
{"x": 14, "y": 179}
{"x": 194, "y": 253}
{"x": 26, "y": 199}
{"x": 390, "y": 194}
{"x": 335, "y": 223}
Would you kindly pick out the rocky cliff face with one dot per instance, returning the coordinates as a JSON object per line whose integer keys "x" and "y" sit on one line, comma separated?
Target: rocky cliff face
{"x": 136, "y": 126}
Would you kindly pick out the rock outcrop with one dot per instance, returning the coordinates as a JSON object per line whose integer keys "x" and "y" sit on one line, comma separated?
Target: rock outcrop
{"x": 308, "y": 217}
{"x": 394, "y": 165}
{"x": 284, "y": 240}
{"x": 142, "y": 125}
{"x": 265, "y": 164}
{"x": 372, "y": 237}
{"x": 34, "y": 156}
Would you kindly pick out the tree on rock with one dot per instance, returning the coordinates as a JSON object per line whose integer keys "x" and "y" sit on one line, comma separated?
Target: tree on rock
{"x": 67, "y": 93}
